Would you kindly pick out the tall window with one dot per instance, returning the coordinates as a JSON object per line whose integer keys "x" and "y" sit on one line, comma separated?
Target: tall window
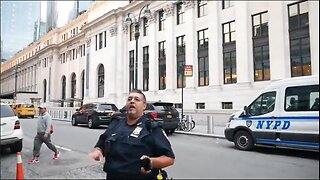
{"x": 229, "y": 32}
{"x": 162, "y": 66}
{"x": 105, "y": 38}
{"x": 145, "y": 26}
{"x": 131, "y": 70}
{"x": 181, "y": 61}
{"x": 73, "y": 85}
{"x": 202, "y": 8}
{"x": 96, "y": 42}
{"x": 299, "y": 39}
{"x": 44, "y": 90}
{"x": 101, "y": 81}
{"x": 260, "y": 38}
{"x": 229, "y": 53}
{"x": 64, "y": 83}
{"x": 146, "y": 68}
{"x": 227, "y": 3}
{"x": 229, "y": 67}
{"x": 161, "y": 20}
{"x": 203, "y": 58}
{"x": 100, "y": 41}
{"x": 180, "y": 13}
{"x": 132, "y": 31}
{"x": 261, "y": 63}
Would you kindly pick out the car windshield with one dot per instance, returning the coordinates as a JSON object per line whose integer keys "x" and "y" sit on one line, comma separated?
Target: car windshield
{"x": 6, "y": 111}
{"x": 107, "y": 107}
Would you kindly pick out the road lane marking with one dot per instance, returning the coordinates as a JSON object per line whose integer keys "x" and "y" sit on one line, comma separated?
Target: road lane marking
{"x": 63, "y": 148}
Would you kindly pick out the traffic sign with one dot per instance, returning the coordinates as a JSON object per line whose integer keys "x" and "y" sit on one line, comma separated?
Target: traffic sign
{"x": 188, "y": 70}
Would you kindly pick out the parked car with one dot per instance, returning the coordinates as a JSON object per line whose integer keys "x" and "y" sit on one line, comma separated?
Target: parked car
{"x": 11, "y": 132}
{"x": 94, "y": 114}
{"x": 164, "y": 112}
{"x": 24, "y": 110}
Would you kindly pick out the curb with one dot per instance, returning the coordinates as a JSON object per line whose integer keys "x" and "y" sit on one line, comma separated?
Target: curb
{"x": 201, "y": 134}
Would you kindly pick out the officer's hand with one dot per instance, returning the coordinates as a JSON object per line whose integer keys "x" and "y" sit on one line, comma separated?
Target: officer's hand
{"x": 146, "y": 164}
{"x": 96, "y": 154}
{"x": 46, "y": 136}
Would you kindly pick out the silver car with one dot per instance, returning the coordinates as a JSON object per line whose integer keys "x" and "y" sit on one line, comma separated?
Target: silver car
{"x": 11, "y": 132}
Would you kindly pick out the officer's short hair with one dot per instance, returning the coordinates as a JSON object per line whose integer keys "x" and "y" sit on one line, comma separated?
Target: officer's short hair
{"x": 140, "y": 92}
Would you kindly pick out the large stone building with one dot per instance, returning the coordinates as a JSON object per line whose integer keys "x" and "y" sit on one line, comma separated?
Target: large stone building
{"x": 235, "y": 48}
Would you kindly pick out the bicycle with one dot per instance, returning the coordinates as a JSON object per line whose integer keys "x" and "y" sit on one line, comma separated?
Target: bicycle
{"x": 186, "y": 125}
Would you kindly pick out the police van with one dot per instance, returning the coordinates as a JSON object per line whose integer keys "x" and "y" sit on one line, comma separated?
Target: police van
{"x": 285, "y": 114}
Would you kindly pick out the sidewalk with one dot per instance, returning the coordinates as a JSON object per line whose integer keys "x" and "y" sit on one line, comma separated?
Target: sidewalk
{"x": 199, "y": 130}
{"x": 202, "y": 130}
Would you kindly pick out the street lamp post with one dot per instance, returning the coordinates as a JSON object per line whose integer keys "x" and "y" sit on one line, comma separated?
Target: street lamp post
{"x": 136, "y": 22}
{"x": 15, "y": 81}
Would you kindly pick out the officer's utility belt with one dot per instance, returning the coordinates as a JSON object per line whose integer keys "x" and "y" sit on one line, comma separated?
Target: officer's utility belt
{"x": 163, "y": 175}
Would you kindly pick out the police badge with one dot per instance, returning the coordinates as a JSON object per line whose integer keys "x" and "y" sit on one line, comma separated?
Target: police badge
{"x": 249, "y": 123}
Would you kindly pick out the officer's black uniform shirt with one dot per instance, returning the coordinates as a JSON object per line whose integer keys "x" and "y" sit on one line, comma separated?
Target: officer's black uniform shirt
{"x": 124, "y": 144}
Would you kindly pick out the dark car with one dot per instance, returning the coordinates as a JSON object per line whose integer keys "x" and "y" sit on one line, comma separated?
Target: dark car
{"x": 164, "y": 112}
{"x": 94, "y": 114}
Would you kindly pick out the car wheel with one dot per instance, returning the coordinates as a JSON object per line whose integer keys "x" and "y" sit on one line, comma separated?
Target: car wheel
{"x": 74, "y": 121}
{"x": 32, "y": 117}
{"x": 16, "y": 147}
{"x": 90, "y": 123}
{"x": 243, "y": 140}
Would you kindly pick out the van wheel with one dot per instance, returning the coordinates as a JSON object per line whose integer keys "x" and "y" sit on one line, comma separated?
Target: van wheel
{"x": 16, "y": 147}
{"x": 74, "y": 121}
{"x": 243, "y": 140}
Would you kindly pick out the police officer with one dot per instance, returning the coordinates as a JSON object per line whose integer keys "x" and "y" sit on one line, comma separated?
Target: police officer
{"x": 134, "y": 147}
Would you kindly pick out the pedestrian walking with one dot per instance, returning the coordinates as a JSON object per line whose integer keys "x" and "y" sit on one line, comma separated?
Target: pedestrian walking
{"x": 43, "y": 135}
{"x": 134, "y": 147}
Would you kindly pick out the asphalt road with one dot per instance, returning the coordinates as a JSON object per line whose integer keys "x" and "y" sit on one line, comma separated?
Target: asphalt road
{"x": 196, "y": 157}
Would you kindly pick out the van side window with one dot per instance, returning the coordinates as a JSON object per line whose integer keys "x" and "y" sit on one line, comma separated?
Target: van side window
{"x": 302, "y": 98}
{"x": 263, "y": 104}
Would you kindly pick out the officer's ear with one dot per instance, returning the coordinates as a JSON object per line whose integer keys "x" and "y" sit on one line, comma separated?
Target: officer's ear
{"x": 144, "y": 105}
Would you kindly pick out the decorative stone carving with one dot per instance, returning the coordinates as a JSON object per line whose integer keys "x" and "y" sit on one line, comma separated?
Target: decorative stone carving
{"x": 50, "y": 58}
{"x": 153, "y": 17}
{"x": 124, "y": 28}
{"x": 88, "y": 42}
{"x": 169, "y": 9}
{"x": 188, "y": 4}
{"x": 113, "y": 30}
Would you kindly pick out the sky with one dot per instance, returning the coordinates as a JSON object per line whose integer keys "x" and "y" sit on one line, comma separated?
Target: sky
{"x": 17, "y": 22}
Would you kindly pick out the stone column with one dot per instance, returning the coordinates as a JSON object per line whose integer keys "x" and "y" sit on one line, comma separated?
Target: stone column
{"x": 87, "y": 71}
{"x": 215, "y": 48}
{"x": 191, "y": 41}
{"x": 243, "y": 43}
{"x": 279, "y": 49}
{"x": 153, "y": 58}
{"x": 170, "y": 46}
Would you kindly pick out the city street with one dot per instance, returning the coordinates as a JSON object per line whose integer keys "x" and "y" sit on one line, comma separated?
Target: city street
{"x": 196, "y": 157}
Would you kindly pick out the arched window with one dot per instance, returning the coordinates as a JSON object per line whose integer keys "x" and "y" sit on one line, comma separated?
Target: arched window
{"x": 64, "y": 83}
{"x": 44, "y": 90}
{"x": 73, "y": 85}
{"x": 101, "y": 81}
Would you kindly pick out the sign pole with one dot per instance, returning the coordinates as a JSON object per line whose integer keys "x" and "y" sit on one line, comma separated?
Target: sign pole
{"x": 182, "y": 92}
